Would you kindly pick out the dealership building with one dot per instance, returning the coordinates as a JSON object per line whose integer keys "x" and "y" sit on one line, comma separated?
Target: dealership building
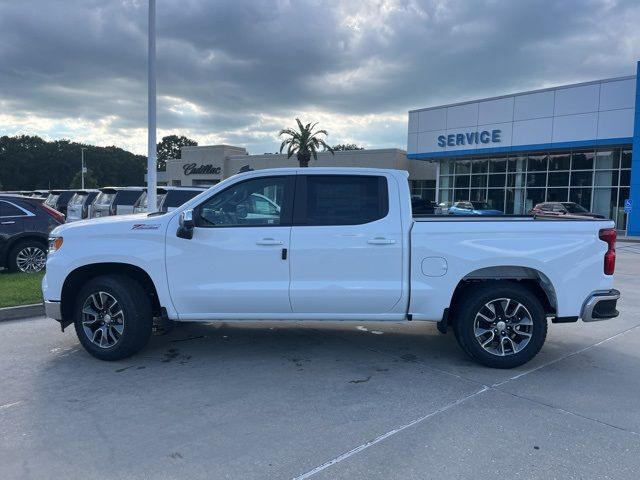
{"x": 207, "y": 165}
{"x": 570, "y": 143}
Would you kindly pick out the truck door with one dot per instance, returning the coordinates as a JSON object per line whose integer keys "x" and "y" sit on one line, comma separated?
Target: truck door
{"x": 236, "y": 264}
{"x": 346, "y": 245}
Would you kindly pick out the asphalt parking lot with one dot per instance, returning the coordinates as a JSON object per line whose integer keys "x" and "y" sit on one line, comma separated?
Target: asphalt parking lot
{"x": 324, "y": 401}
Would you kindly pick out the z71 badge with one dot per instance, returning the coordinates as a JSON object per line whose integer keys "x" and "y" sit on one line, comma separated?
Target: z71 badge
{"x": 145, "y": 226}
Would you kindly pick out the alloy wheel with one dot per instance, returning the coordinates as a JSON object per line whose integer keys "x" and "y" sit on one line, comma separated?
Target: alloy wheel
{"x": 503, "y": 327}
{"x": 31, "y": 259}
{"x": 102, "y": 319}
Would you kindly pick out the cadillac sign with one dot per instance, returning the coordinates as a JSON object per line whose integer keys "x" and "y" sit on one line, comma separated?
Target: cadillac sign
{"x": 194, "y": 169}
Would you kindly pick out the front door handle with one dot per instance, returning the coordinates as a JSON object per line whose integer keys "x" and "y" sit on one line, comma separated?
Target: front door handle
{"x": 381, "y": 241}
{"x": 7, "y": 223}
{"x": 269, "y": 241}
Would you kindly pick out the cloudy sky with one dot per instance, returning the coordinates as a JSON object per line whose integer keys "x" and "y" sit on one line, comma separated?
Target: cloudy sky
{"x": 237, "y": 71}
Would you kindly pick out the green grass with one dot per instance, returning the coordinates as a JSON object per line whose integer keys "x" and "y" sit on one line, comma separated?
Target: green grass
{"x": 20, "y": 288}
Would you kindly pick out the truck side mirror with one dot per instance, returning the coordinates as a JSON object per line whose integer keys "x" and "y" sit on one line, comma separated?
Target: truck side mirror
{"x": 185, "y": 230}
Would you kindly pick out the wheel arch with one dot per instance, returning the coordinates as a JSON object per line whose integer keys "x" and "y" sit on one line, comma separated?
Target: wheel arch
{"x": 83, "y": 274}
{"x": 23, "y": 237}
{"x": 532, "y": 279}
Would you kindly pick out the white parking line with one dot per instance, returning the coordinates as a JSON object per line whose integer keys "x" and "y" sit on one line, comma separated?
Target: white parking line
{"x": 564, "y": 356}
{"x": 2, "y": 407}
{"x": 390, "y": 433}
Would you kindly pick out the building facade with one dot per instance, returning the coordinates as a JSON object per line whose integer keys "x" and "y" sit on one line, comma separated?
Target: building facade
{"x": 207, "y": 165}
{"x": 570, "y": 143}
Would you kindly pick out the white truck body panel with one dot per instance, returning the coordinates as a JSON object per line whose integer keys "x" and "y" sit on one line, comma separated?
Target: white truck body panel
{"x": 383, "y": 270}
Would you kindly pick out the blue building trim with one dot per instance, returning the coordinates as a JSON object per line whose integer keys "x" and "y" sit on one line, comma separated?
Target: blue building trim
{"x": 633, "y": 220}
{"x": 548, "y": 146}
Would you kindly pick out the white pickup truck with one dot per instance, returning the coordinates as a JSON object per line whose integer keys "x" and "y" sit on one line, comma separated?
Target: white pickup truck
{"x": 329, "y": 244}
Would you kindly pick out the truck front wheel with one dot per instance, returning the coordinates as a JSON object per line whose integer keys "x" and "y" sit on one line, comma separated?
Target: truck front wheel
{"x": 113, "y": 317}
{"x": 500, "y": 324}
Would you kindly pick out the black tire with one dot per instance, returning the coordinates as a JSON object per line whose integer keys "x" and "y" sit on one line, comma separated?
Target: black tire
{"x": 12, "y": 261}
{"x": 137, "y": 317}
{"x": 474, "y": 304}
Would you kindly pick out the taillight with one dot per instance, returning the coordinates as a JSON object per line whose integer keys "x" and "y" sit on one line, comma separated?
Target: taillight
{"x": 57, "y": 216}
{"x": 609, "y": 235}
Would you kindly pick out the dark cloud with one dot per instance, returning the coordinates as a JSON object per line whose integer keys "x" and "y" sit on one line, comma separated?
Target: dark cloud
{"x": 238, "y": 71}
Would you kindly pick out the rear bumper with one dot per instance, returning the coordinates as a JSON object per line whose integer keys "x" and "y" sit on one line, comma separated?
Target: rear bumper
{"x": 600, "y": 305}
{"x": 52, "y": 310}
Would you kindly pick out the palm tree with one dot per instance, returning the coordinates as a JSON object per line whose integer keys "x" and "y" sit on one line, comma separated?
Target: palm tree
{"x": 304, "y": 142}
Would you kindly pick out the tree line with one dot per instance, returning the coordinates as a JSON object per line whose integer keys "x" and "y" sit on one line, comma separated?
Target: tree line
{"x": 31, "y": 163}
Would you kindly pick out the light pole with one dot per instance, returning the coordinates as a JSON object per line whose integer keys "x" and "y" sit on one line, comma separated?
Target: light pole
{"x": 82, "y": 170}
{"x": 151, "y": 119}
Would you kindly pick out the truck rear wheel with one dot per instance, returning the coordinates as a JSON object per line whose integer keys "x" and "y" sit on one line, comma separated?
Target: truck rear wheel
{"x": 500, "y": 324}
{"x": 113, "y": 317}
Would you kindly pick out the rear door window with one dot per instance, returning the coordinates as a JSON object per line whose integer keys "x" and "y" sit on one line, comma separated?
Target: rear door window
{"x": 340, "y": 200}
{"x": 175, "y": 198}
{"x": 104, "y": 198}
{"x": 127, "y": 197}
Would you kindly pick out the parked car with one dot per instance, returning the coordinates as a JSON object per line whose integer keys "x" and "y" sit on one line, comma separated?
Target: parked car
{"x": 79, "y": 206}
{"x": 423, "y": 207}
{"x": 341, "y": 245}
{"x": 554, "y": 209}
{"x": 473, "y": 208}
{"x": 58, "y": 200}
{"x": 115, "y": 201}
{"x": 25, "y": 224}
{"x": 169, "y": 198}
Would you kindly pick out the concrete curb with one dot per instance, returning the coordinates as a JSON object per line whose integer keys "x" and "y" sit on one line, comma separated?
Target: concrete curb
{"x": 22, "y": 311}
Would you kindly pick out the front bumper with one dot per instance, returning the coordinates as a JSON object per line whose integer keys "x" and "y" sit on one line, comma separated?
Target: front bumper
{"x": 600, "y": 305}
{"x": 52, "y": 310}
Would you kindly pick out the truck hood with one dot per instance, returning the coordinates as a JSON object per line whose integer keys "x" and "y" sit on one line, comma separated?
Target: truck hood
{"x": 113, "y": 224}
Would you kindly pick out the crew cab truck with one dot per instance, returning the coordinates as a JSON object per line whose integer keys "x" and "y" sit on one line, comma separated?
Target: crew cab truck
{"x": 329, "y": 244}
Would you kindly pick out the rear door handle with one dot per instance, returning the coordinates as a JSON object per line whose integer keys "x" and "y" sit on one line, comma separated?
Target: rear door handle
{"x": 7, "y": 223}
{"x": 381, "y": 241}
{"x": 269, "y": 241}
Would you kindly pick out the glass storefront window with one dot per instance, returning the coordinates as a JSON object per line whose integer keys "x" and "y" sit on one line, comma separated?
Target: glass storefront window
{"x": 463, "y": 167}
{"x": 478, "y": 195}
{"x": 495, "y": 198}
{"x": 607, "y": 178}
{"x": 462, "y": 181}
{"x": 557, "y": 194}
{"x": 605, "y": 201}
{"x": 582, "y": 161}
{"x": 537, "y": 163}
{"x": 479, "y": 166}
{"x": 608, "y": 160}
{"x": 581, "y": 179}
{"x": 497, "y": 180}
{"x": 517, "y": 164}
{"x": 558, "y": 179}
{"x": 588, "y": 177}
{"x": 581, "y": 196}
{"x": 559, "y": 162}
{"x": 515, "y": 180}
{"x": 536, "y": 179}
{"x": 446, "y": 196}
{"x": 534, "y": 196}
{"x": 497, "y": 165}
{"x": 478, "y": 181}
{"x": 625, "y": 178}
{"x": 460, "y": 194}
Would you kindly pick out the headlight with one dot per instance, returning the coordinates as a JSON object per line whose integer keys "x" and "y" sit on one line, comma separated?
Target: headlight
{"x": 54, "y": 244}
